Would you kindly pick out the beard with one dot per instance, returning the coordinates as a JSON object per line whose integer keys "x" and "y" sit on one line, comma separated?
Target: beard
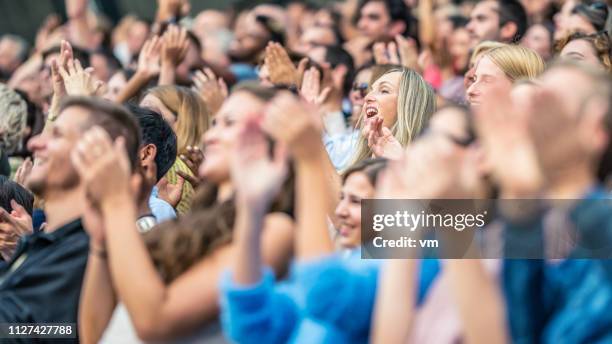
{"x": 42, "y": 186}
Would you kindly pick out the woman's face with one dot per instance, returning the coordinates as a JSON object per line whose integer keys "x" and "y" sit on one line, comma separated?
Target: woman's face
{"x": 116, "y": 84}
{"x": 581, "y": 50}
{"x": 348, "y": 211}
{"x": 356, "y": 96}
{"x": 382, "y": 99}
{"x": 538, "y": 39}
{"x": 459, "y": 48}
{"x": 562, "y": 19}
{"x": 220, "y": 138}
{"x": 152, "y": 102}
{"x": 487, "y": 77}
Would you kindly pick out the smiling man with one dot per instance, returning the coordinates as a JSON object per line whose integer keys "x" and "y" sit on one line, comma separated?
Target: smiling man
{"x": 497, "y": 20}
{"x": 42, "y": 281}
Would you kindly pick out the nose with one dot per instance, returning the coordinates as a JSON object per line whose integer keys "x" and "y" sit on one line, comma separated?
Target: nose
{"x": 210, "y": 136}
{"x": 369, "y": 98}
{"x": 470, "y": 26}
{"x": 473, "y": 91}
{"x": 341, "y": 210}
{"x": 37, "y": 143}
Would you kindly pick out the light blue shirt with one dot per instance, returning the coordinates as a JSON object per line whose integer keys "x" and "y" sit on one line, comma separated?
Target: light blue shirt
{"x": 161, "y": 209}
{"x": 341, "y": 148}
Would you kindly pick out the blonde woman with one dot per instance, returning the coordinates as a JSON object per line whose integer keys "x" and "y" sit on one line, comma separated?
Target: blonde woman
{"x": 189, "y": 116}
{"x": 500, "y": 68}
{"x": 395, "y": 111}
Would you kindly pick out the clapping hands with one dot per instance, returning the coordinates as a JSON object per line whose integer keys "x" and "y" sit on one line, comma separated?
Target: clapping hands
{"x": 381, "y": 140}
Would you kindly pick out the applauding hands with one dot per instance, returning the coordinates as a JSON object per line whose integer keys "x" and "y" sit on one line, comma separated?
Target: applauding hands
{"x": 381, "y": 140}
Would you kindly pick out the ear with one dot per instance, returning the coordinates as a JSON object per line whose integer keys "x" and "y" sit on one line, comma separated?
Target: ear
{"x": 147, "y": 154}
{"x": 397, "y": 28}
{"x": 508, "y": 31}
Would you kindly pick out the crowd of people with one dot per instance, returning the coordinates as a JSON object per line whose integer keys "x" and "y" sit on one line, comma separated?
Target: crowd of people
{"x": 199, "y": 177}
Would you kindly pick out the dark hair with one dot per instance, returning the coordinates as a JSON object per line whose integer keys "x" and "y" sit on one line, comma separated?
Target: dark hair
{"x": 275, "y": 29}
{"x": 458, "y": 21}
{"x": 596, "y": 12}
{"x": 111, "y": 61}
{"x": 115, "y": 119}
{"x": 398, "y": 11}
{"x": 337, "y": 56}
{"x": 511, "y": 11}
{"x": 370, "y": 167}
{"x": 77, "y": 53}
{"x": 156, "y": 131}
{"x": 9, "y": 190}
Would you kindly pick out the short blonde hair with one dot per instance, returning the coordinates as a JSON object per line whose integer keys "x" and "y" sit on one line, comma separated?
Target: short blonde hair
{"x": 516, "y": 62}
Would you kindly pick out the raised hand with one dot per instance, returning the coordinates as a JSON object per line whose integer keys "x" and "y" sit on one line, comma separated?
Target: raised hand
{"x": 193, "y": 159}
{"x": 23, "y": 172}
{"x": 503, "y": 130}
{"x": 212, "y": 89}
{"x": 79, "y": 81}
{"x": 381, "y": 140}
{"x": 175, "y": 45}
{"x": 104, "y": 168}
{"x": 13, "y": 226}
{"x": 149, "y": 63}
{"x": 403, "y": 51}
{"x": 281, "y": 69}
{"x": 171, "y": 193}
{"x": 256, "y": 175}
{"x": 295, "y": 124}
{"x": 311, "y": 87}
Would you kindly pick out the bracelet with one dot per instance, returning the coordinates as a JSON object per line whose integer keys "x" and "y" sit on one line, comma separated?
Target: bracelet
{"x": 98, "y": 252}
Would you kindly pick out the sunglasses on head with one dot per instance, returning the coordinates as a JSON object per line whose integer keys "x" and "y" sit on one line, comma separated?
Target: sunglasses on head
{"x": 362, "y": 88}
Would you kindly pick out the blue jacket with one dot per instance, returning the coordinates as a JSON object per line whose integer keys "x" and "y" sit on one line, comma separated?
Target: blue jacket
{"x": 569, "y": 302}
{"x": 329, "y": 300}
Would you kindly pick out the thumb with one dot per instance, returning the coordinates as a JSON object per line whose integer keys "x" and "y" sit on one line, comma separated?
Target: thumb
{"x": 18, "y": 209}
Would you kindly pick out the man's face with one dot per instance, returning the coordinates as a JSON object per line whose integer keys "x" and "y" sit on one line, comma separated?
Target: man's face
{"x": 46, "y": 84}
{"x": 53, "y": 169}
{"x": 249, "y": 41}
{"x": 374, "y": 20}
{"x": 484, "y": 22}
{"x": 315, "y": 36}
{"x": 8, "y": 55}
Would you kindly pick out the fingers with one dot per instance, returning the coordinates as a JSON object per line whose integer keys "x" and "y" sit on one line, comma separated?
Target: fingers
{"x": 18, "y": 209}
{"x": 195, "y": 182}
{"x": 392, "y": 51}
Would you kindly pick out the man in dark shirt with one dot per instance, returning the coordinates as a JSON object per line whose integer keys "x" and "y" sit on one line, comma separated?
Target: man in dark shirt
{"x": 42, "y": 281}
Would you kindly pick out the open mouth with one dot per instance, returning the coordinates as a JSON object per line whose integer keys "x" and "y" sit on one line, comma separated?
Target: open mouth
{"x": 371, "y": 111}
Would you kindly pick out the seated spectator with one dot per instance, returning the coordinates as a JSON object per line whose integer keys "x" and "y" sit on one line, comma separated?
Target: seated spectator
{"x": 156, "y": 157}
{"x": 593, "y": 49}
{"x": 15, "y": 216}
{"x": 42, "y": 281}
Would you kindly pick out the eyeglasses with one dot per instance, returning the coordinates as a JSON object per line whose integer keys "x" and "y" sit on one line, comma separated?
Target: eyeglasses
{"x": 362, "y": 88}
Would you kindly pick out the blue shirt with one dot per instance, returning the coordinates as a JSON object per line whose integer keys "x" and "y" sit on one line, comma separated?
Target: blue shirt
{"x": 341, "y": 148}
{"x": 329, "y": 300}
{"x": 569, "y": 302}
{"x": 161, "y": 210}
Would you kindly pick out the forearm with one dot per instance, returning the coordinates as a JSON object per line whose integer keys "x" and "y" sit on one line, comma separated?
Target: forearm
{"x": 427, "y": 29}
{"x": 472, "y": 285}
{"x": 395, "y": 302}
{"x": 98, "y": 300}
{"x": 248, "y": 266}
{"x": 134, "y": 85}
{"x": 137, "y": 282}
{"x": 167, "y": 74}
{"x": 313, "y": 205}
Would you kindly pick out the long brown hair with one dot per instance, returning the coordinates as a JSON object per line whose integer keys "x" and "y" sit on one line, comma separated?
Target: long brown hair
{"x": 177, "y": 245}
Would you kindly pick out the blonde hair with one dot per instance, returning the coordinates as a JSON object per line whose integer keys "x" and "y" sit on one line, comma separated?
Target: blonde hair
{"x": 192, "y": 115}
{"x": 516, "y": 62}
{"x": 416, "y": 102}
{"x": 482, "y": 48}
